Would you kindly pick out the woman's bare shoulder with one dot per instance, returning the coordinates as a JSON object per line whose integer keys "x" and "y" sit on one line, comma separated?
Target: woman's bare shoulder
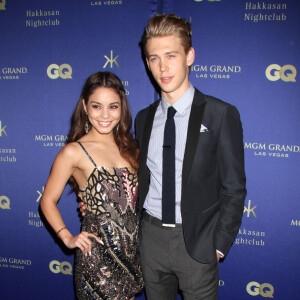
{"x": 70, "y": 151}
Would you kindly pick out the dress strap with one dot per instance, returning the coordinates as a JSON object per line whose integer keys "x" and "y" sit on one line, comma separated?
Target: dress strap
{"x": 87, "y": 154}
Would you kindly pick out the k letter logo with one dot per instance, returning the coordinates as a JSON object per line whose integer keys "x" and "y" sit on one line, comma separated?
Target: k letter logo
{"x": 40, "y": 194}
{"x": 2, "y": 129}
{"x": 286, "y": 73}
{"x": 250, "y": 209}
{"x": 111, "y": 60}
{"x": 63, "y": 71}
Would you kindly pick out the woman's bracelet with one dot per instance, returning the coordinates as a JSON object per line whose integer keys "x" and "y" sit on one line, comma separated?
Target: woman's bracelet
{"x": 60, "y": 230}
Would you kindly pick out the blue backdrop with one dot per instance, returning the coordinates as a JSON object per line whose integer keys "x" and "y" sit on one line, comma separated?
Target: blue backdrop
{"x": 247, "y": 53}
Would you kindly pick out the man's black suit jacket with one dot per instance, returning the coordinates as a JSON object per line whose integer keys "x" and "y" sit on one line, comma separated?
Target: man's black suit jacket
{"x": 213, "y": 177}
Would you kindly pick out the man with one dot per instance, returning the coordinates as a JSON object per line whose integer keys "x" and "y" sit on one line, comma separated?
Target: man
{"x": 191, "y": 174}
{"x": 209, "y": 178}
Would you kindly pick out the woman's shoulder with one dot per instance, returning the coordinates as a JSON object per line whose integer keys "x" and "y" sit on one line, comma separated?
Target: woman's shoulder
{"x": 69, "y": 155}
{"x": 70, "y": 150}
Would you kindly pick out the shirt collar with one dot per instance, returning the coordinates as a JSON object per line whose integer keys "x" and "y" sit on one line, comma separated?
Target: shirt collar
{"x": 182, "y": 103}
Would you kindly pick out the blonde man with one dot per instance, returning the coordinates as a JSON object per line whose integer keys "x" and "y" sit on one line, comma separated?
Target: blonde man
{"x": 209, "y": 178}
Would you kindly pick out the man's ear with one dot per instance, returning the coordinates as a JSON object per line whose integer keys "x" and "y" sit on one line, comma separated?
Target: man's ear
{"x": 190, "y": 56}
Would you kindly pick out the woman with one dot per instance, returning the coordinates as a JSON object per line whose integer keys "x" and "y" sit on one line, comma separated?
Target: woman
{"x": 101, "y": 159}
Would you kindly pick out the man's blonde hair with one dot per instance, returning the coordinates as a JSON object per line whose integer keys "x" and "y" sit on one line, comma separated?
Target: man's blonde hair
{"x": 167, "y": 25}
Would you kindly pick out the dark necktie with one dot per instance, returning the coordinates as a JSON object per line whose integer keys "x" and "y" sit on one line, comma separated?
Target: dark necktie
{"x": 168, "y": 173}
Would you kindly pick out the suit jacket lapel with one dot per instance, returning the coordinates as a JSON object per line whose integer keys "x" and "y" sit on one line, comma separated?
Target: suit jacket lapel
{"x": 147, "y": 133}
{"x": 194, "y": 125}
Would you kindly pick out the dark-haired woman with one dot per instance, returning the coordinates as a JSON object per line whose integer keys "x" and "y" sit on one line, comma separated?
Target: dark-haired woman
{"x": 101, "y": 159}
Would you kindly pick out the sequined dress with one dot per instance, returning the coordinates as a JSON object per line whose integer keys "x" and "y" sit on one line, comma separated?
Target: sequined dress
{"x": 113, "y": 270}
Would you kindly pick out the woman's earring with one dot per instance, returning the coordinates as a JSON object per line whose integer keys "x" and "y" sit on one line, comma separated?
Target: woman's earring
{"x": 86, "y": 127}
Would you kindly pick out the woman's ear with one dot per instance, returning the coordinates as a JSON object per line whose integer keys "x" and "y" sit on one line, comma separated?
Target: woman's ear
{"x": 84, "y": 106}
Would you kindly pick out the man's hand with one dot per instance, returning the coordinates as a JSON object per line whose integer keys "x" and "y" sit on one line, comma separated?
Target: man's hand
{"x": 218, "y": 254}
{"x": 82, "y": 208}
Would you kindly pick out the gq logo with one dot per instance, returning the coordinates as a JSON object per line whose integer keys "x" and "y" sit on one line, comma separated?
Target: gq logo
{"x": 63, "y": 71}
{"x": 57, "y": 267}
{"x": 2, "y": 5}
{"x": 286, "y": 73}
{"x": 4, "y": 202}
{"x": 266, "y": 290}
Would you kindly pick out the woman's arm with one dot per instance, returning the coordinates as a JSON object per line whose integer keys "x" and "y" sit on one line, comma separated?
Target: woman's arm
{"x": 62, "y": 169}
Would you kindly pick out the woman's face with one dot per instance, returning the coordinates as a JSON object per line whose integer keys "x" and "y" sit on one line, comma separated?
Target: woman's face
{"x": 104, "y": 110}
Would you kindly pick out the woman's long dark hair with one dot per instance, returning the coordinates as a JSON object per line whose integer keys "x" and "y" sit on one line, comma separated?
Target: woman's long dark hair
{"x": 128, "y": 147}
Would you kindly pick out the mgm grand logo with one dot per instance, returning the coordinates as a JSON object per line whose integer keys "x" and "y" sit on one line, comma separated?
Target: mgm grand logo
{"x": 12, "y": 73}
{"x": 57, "y": 140}
{"x": 106, "y": 3}
{"x": 272, "y": 150}
{"x": 2, "y": 5}
{"x": 14, "y": 263}
{"x": 215, "y": 71}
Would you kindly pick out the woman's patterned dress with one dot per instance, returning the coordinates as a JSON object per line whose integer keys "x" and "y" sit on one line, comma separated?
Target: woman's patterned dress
{"x": 112, "y": 271}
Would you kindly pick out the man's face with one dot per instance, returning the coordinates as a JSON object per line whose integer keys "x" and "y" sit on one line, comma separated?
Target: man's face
{"x": 168, "y": 64}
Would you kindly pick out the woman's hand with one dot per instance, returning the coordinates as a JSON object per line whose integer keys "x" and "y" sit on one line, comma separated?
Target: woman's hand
{"x": 82, "y": 241}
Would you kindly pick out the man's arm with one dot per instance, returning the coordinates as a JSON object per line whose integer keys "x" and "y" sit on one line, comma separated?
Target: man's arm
{"x": 233, "y": 179}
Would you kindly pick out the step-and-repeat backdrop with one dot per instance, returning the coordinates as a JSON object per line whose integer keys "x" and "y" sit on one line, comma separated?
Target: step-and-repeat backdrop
{"x": 247, "y": 53}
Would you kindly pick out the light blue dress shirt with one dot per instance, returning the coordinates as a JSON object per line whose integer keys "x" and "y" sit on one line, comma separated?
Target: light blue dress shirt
{"x": 155, "y": 152}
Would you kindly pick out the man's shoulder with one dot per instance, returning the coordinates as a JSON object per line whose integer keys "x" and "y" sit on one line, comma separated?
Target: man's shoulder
{"x": 211, "y": 99}
{"x": 143, "y": 112}
{"x": 213, "y": 102}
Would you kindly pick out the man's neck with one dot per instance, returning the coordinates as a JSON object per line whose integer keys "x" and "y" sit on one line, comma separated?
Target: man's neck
{"x": 172, "y": 97}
